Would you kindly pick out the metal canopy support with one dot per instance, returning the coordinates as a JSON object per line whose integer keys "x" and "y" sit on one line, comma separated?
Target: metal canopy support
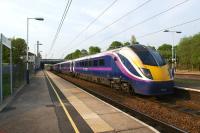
{"x": 7, "y": 43}
{"x": 1, "y": 85}
{"x": 11, "y": 72}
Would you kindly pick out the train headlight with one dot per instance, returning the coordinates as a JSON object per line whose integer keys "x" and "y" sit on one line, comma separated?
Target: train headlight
{"x": 146, "y": 72}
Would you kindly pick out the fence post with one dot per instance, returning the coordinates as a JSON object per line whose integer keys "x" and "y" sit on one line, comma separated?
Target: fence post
{"x": 11, "y": 71}
{"x": 1, "y": 83}
{"x": 7, "y": 43}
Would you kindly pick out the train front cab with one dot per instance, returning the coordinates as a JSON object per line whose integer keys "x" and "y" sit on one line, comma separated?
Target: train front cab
{"x": 154, "y": 75}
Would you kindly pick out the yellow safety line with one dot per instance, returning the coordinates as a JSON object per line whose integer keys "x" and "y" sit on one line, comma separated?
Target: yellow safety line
{"x": 64, "y": 108}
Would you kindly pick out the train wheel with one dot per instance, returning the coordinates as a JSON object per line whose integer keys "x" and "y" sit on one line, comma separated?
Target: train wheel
{"x": 124, "y": 87}
{"x": 131, "y": 90}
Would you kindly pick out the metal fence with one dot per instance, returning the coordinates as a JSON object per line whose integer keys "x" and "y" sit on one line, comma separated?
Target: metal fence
{"x": 6, "y": 80}
{"x": 19, "y": 77}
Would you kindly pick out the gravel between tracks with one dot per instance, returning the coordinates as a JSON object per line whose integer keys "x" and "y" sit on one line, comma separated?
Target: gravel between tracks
{"x": 178, "y": 119}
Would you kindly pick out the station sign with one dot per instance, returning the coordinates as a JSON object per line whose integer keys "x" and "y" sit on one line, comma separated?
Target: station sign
{"x": 5, "y": 41}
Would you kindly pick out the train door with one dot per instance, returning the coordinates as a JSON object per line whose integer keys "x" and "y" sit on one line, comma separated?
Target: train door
{"x": 72, "y": 67}
{"x": 114, "y": 71}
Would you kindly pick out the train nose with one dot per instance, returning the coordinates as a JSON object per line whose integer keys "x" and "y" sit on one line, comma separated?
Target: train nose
{"x": 154, "y": 87}
{"x": 159, "y": 73}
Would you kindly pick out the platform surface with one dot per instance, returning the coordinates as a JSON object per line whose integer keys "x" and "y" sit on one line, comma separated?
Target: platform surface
{"x": 100, "y": 116}
{"x": 30, "y": 110}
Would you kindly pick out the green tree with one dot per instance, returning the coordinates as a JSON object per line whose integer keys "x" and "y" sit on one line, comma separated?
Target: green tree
{"x": 84, "y": 52}
{"x": 94, "y": 50}
{"x": 76, "y": 54}
{"x": 115, "y": 44}
{"x": 68, "y": 57}
{"x": 195, "y": 58}
{"x": 165, "y": 51}
{"x": 188, "y": 52}
{"x": 19, "y": 50}
{"x": 184, "y": 52}
{"x": 6, "y": 54}
{"x": 127, "y": 43}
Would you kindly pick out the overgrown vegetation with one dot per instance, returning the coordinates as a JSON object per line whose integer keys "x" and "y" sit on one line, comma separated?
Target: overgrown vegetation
{"x": 18, "y": 51}
{"x": 18, "y": 55}
{"x": 81, "y": 53}
{"x": 187, "y": 52}
{"x": 6, "y": 85}
{"x": 94, "y": 49}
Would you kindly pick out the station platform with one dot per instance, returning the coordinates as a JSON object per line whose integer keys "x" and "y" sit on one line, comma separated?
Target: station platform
{"x": 50, "y": 104}
{"x": 98, "y": 115}
{"x": 29, "y": 111}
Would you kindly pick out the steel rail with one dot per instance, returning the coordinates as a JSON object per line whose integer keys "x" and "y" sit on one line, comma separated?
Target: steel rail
{"x": 157, "y": 124}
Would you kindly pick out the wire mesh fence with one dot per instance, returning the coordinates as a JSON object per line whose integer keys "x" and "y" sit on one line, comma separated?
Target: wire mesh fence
{"x": 6, "y": 80}
{"x": 19, "y": 77}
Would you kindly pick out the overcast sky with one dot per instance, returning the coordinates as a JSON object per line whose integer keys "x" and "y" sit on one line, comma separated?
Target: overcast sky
{"x": 13, "y": 15}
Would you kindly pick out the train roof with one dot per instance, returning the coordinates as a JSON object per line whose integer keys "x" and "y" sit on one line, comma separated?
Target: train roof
{"x": 103, "y": 53}
{"x": 111, "y": 51}
{"x": 97, "y": 55}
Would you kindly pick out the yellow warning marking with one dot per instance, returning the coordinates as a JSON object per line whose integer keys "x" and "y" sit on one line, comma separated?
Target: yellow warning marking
{"x": 64, "y": 108}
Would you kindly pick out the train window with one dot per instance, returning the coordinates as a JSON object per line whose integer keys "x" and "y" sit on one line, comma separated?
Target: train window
{"x": 101, "y": 62}
{"x": 148, "y": 56}
{"x": 90, "y": 63}
{"x": 128, "y": 65}
{"x": 62, "y": 65}
{"x": 144, "y": 54}
{"x": 159, "y": 59}
{"x": 86, "y": 63}
{"x": 95, "y": 62}
{"x": 82, "y": 63}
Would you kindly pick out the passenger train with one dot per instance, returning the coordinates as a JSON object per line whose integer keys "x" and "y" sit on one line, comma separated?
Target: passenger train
{"x": 136, "y": 68}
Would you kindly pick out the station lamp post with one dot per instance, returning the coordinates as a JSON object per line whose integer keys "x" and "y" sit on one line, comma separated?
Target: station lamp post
{"x": 173, "y": 51}
{"x": 27, "y": 48}
{"x": 38, "y": 47}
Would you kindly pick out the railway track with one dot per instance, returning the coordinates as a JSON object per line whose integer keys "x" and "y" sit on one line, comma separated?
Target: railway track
{"x": 188, "y": 76}
{"x": 158, "y": 124}
{"x": 188, "y": 86}
{"x": 183, "y": 106}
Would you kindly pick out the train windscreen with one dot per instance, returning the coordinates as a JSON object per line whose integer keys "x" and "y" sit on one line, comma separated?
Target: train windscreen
{"x": 148, "y": 56}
